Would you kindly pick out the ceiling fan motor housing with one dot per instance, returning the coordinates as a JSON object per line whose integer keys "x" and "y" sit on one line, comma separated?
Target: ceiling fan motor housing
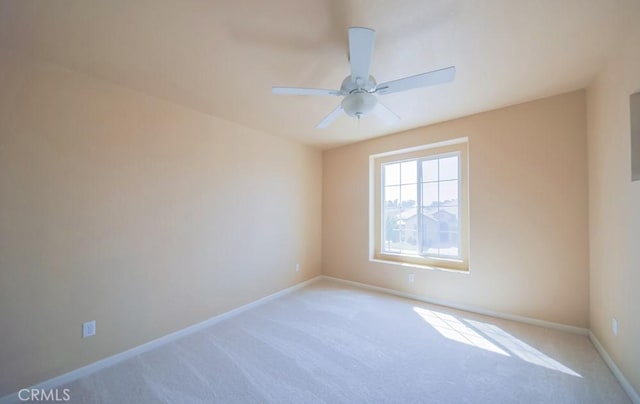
{"x": 350, "y": 85}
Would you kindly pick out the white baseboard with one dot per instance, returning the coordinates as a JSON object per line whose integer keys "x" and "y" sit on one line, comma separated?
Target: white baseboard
{"x": 505, "y": 316}
{"x": 119, "y": 357}
{"x": 628, "y": 388}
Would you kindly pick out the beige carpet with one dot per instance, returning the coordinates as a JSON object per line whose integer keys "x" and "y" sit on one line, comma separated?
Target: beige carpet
{"x": 330, "y": 343}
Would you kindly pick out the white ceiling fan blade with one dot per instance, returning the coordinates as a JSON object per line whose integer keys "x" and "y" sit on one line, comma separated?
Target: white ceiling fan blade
{"x": 388, "y": 116}
{"x": 420, "y": 80}
{"x": 330, "y": 118}
{"x": 361, "y": 42}
{"x": 304, "y": 91}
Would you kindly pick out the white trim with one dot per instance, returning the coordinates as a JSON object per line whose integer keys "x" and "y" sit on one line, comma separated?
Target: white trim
{"x": 628, "y": 388}
{"x": 119, "y": 357}
{"x": 505, "y": 316}
{"x": 372, "y": 162}
{"x": 459, "y": 146}
{"x": 443, "y": 143}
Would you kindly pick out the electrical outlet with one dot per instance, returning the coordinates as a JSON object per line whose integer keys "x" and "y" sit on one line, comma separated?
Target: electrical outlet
{"x": 89, "y": 329}
{"x": 614, "y": 326}
{"x": 411, "y": 278}
{"x": 297, "y": 267}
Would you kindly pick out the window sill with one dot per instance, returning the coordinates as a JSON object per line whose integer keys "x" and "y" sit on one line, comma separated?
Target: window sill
{"x": 419, "y": 266}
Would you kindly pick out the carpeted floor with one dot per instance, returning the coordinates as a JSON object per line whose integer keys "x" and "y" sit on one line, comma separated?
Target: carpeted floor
{"x": 330, "y": 343}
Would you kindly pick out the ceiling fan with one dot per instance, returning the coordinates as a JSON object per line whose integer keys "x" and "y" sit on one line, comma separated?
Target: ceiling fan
{"x": 359, "y": 89}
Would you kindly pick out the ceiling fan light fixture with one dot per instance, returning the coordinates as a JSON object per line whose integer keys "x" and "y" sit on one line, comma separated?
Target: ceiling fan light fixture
{"x": 359, "y": 104}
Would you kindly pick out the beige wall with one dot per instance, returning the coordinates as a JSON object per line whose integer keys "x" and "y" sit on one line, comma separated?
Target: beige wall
{"x": 150, "y": 217}
{"x": 528, "y": 212}
{"x": 140, "y": 214}
{"x": 614, "y": 210}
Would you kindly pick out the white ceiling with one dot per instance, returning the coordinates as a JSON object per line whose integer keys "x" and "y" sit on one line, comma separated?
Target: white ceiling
{"x": 222, "y": 57}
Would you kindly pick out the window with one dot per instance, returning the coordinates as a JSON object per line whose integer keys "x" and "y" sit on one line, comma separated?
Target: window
{"x": 419, "y": 207}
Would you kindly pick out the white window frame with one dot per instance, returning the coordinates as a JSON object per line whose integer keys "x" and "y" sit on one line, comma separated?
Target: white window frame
{"x": 458, "y": 146}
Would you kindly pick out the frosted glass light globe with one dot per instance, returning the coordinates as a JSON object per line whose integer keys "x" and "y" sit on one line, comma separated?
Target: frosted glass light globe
{"x": 359, "y": 104}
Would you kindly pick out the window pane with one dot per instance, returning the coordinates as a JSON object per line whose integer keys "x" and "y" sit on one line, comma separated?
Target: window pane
{"x": 451, "y": 211}
{"x": 409, "y": 172}
{"x": 430, "y": 194}
{"x": 430, "y": 231}
{"x": 408, "y": 225}
{"x": 392, "y": 196}
{"x": 408, "y": 219}
{"x": 448, "y": 193}
{"x": 391, "y": 231}
{"x": 408, "y": 196}
{"x": 451, "y": 250}
{"x": 430, "y": 170}
{"x": 392, "y": 174}
{"x": 449, "y": 168}
{"x": 448, "y": 231}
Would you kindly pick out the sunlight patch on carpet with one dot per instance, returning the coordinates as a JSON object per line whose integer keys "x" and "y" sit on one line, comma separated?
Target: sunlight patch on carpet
{"x": 452, "y": 328}
{"x": 519, "y": 348}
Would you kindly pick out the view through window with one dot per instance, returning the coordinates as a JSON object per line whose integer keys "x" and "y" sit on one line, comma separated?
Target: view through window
{"x": 421, "y": 210}
{"x": 421, "y": 206}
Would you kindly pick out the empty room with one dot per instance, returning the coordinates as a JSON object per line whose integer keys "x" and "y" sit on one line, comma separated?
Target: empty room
{"x": 320, "y": 201}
